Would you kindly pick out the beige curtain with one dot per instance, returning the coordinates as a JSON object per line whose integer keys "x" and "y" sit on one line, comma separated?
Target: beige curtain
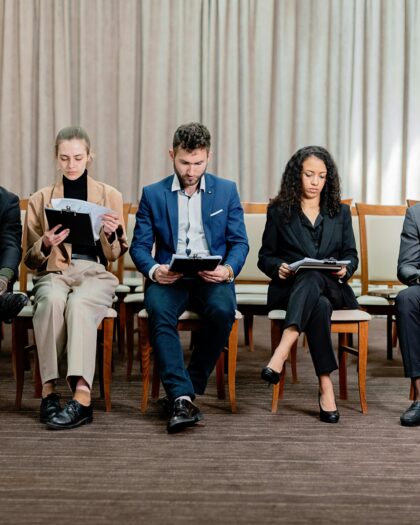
{"x": 266, "y": 76}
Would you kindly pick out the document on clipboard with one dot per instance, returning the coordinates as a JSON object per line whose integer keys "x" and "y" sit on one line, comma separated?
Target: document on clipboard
{"x": 82, "y": 218}
{"x": 190, "y": 265}
{"x": 317, "y": 264}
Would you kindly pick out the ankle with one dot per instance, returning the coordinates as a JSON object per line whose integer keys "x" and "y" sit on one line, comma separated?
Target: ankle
{"x": 47, "y": 389}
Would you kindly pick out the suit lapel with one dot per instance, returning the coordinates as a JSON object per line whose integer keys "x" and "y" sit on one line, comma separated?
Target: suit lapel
{"x": 207, "y": 199}
{"x": 299, "y": 234}
{"x": 327, "y": 233}
{"x": 171, "y": 198}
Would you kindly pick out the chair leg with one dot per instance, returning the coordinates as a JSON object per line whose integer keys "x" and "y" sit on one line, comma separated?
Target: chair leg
{"x": 249, "y": 331}
{"x": 18, "y": 358}
{"x": 293, "y": 362}
{"x": 121, "y": 327}
{"x": 108, "y": 329}
{"x": 342, "y": 366}
{"x": 276, "y": 331}
{"x": 145, "y": 350}
{"x": 129, "y": 326}
{"x": 232, "y": 357}
{"x": 37, "y": 375}
{"x": 389, "y": 337}
{"x": 155, "y": 381}
{"x": 362, "y": 363}
{"x": 220, "y": 376}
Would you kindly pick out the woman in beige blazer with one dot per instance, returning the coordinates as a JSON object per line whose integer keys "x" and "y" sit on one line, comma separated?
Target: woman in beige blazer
{"x": 72, "y": 287}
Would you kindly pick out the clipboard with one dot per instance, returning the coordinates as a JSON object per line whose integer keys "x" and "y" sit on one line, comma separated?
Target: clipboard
{"x": 193, "y": 264}
{"x": 79, "y": 224}
{"x": 317, "y": 264}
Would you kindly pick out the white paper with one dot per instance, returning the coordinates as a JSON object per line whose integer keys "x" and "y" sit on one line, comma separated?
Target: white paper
{"x": 93, "y": 210}
{"x": 297, "y": 264}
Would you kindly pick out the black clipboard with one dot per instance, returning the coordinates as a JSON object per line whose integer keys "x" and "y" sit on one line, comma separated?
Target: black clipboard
{"x": 79, "y": 224}
{"x": 193, "y": 264}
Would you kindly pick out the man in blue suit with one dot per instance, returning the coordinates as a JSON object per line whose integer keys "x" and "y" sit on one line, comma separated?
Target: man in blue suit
{"x": 189, "y": 213}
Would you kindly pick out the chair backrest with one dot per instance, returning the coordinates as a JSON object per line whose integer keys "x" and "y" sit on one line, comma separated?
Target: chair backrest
{"x": 117, "y": 267}
{"x": 356, "y": 231}
{"x": 23, "y": 269}
{"x": 255, "y": 214}
{"x": 411, "y": 202}
{"x": 380, "y": 230}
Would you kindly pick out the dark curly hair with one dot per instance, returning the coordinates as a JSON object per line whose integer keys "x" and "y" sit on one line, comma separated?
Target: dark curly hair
{"x": 192, "y": 136}
{"x": 289, "y": 197}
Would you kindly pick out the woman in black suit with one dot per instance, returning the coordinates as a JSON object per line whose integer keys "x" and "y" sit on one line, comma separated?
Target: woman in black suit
{"x": 307, "y": 219}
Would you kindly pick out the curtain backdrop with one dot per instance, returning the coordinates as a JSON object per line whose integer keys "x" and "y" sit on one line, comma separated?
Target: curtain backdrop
{"x": 266, "y": 76}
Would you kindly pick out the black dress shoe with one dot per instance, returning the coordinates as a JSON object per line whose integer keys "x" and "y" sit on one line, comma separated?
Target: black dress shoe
{"x": 411, "y": 417}
{"x": 11, "y": 304}
{"x": 270, "y": 375}
{"x": 184, "y": 414}
{"x": 50, "y": 407}
{"x": 327, "y": 416}
{"x": 73, "y": 415}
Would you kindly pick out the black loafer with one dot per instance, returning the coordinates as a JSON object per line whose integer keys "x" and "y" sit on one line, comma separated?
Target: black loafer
{"x": 72, "y": 416}
{"x": 50, "y": 407}
{"x": 411, "y": 417}
{"x": 270, "y": 375}
{"x": 11, "y": 304}
{"x": 327, "y": 416}
{"x": 184, "y": 414}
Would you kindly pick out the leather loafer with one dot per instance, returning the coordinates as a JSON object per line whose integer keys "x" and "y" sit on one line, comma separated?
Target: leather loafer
{"x": 72, "y": 416}
{"x": 411, "y": 417}
{"x": 184, "y": 414}
{"x": 270, "y": 375}
{"x": 11, "y": 304}
{"x": 327, "y": 416}
{"x": 50, "y": 407}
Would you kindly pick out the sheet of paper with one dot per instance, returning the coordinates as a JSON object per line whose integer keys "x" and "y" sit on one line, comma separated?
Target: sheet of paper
{"x": 94, "y": 210}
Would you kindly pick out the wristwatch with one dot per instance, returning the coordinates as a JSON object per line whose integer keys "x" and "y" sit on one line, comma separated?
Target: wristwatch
{"x": 231, "y": 277}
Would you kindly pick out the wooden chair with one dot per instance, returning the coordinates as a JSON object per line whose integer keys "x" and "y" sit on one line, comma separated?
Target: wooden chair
{"x": 188, "y": 321}
{"x": 344, "y": 323}
{"x": 251, "y": 285}
{"x": 22, "y": 324}
{"x": 20, "y": 327}
{"x": 380, "y": 229}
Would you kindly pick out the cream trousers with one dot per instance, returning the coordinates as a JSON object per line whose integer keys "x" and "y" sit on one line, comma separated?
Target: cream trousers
{"x": 69, "y": 306}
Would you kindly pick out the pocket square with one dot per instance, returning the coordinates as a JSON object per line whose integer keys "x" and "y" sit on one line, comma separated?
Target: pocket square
{"x": 216, "y": 212}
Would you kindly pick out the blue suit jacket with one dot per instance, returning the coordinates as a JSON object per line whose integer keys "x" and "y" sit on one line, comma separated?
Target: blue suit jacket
{"x": 157, "y": 223}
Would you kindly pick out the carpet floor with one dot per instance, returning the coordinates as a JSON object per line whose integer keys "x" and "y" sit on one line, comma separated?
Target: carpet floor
{"x": 246, "y": 468}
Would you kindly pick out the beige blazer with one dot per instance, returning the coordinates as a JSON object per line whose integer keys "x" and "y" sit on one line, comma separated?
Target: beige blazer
{"x": 60, "y": 256}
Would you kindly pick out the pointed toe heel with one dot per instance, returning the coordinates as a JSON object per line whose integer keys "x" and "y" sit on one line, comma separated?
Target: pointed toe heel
{"x": 270, "y": 375}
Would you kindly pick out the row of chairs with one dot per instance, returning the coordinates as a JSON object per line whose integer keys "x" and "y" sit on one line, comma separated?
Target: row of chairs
{"x": 251, "y": 292}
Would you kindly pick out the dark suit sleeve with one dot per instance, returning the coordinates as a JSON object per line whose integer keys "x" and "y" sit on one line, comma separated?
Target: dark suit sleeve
{"x": 10, "y": 233}
{"x": 409, "y": 256}
{"x": 268, "y": 260}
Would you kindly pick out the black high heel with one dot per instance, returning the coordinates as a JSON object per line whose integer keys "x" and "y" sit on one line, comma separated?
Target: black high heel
{"x": 327, "y": 416}
{"x": 270, "y": 375}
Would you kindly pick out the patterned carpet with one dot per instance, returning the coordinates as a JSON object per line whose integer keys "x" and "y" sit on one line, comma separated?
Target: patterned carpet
{"x": 252, "y": 467}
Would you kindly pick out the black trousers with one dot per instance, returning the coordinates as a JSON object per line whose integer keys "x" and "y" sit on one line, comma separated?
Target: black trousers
{"x": 309, "y": 302}
{"x": 407, "y": 305}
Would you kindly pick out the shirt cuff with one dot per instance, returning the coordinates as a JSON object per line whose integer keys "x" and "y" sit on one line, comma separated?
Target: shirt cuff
{"x": 152, "y": 271}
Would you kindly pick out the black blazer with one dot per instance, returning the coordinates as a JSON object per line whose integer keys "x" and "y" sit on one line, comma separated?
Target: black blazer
{"x": 284, "y": 242}
{"x": 10, "y": 231}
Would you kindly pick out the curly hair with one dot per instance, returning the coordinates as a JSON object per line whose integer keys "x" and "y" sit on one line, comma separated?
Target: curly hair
{"x": 191, "y": 136}
{"x": 289, "y": 196}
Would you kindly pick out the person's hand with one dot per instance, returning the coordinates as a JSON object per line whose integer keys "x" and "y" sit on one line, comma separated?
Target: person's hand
{"x": 219, "y": 275}
{"x": 110, "y": 223}
{"x": 4, "y": 283}
{"x": 52, "y": 238}
{"x": 163, "y": 275}
{"x": 341, "y": 273}
{"x": 284, "y": 271}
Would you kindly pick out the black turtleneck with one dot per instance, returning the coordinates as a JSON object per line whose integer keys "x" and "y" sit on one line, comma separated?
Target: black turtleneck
{"x": 77, "y": 189}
